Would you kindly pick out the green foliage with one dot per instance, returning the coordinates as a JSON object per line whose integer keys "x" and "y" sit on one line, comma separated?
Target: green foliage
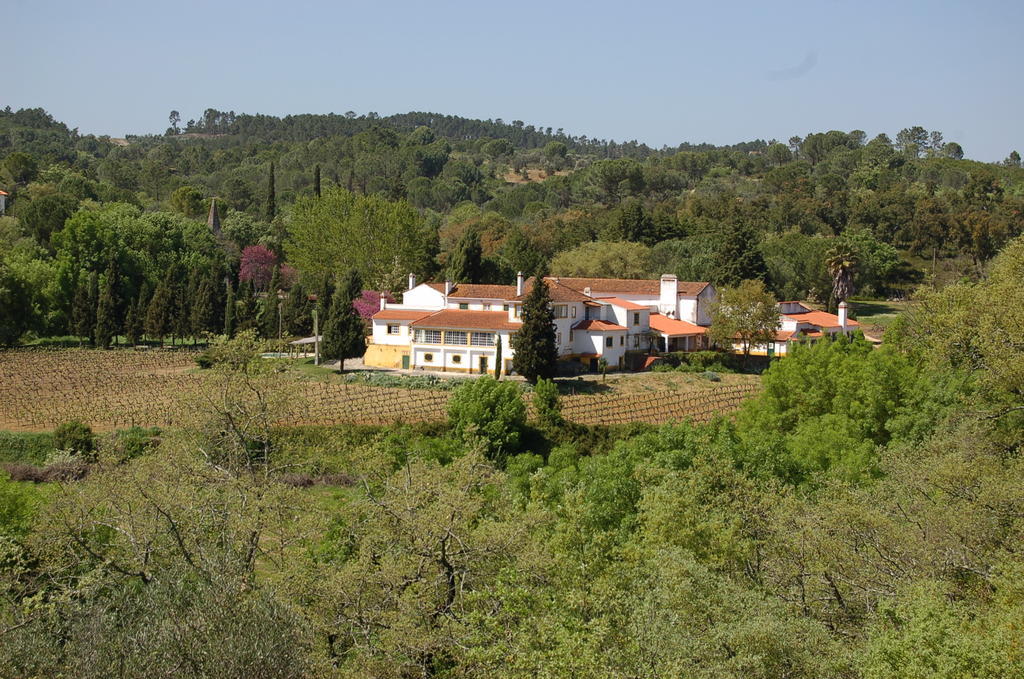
{"x": 491, "y": 414}
{"x": 344, "y": 333}
{"x": 76, "y": 437}
{"x": 746, "y": 313}
{"x": 604, "y": 260}
{"x": 547, "y": 403}
{"x": 536, "y": 354}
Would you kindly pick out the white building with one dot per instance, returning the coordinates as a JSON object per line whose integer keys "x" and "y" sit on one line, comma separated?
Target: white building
{"x": 799, "y": 323}
{"x": 449, "y": 327}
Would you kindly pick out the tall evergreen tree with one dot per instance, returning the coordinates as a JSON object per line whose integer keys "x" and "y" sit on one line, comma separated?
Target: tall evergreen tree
{"x": 182, "y": 294}
{"x": 497, "y": 359}
{"x": 343, "y": 330}
{"x": 536, "y": 354}
{"x": 466, "y": 263}
{"x": 134, "y": 319}
{"x": 159, "y": 313}
{"x": 245, "y": 308}
{"x": 229, "y": 309}
{"x": 83, "y": 308}
{"x": 202, "y": 307}
{"x": 106, "y": 309}
{"x": 316, "y": 181}
{"x": 269, "y": 314}
{"x": 271, "y": 197}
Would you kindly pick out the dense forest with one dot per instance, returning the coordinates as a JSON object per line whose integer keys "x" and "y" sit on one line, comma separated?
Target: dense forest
{"x": 861, "y": 518}
{"x": 305, "y": 197}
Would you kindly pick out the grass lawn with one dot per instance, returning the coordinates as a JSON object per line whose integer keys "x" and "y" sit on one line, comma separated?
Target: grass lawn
{"x": 876, "y": 315}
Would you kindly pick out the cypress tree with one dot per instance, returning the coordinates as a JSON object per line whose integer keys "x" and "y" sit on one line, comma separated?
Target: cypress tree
{"x": 271, "y": 199}
{"x": 106, "y": 309}
{"x": 536, "y": 354}
{"x": 134, "y": 318}
{"x": 202, "y": 308}
{"x": 497, "y": 359}
{"x": 83, "y": 310}
{"x": 268, "y": 314}
{"x": 316, "y": 181}
{"x": 343, "y": 330}
{"x": 158, "y": 314}
{"x": 466, "y": 264}
{"x": 182, "y": 294}
{"x": 229, "y": 309}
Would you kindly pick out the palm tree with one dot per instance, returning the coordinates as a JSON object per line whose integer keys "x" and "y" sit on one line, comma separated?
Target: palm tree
{"x": 841, "y": 266}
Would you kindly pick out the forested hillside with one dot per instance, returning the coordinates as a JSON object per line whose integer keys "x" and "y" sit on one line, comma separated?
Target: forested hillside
{"x": 89, "y": 208}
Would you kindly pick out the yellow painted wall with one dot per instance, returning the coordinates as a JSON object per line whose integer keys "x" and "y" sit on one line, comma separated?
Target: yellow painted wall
{"x": 384, "y": 355}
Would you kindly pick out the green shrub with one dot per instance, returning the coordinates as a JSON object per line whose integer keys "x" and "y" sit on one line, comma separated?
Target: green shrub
{"x": 487, "y": 411}
{"x": 77, "y": 437}
{"x": 546, "y": 403}
{"x": 25, "y": 447}
{"x": 127, "y": 444}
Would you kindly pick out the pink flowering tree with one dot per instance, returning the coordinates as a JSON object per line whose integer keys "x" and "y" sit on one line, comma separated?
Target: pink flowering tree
{"x": 257, "y": 266}
{"x": 368, "y": 303}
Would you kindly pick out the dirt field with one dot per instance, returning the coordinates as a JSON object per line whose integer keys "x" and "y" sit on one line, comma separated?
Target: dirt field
{"x": 40, "y": 389}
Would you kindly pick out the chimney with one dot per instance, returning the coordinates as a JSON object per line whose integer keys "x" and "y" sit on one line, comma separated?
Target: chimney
{"x": 668, "y": 299}
{"x": 412, "y": 281}
{"x": 586, "y": 291}
{"x": 447, "y": 289}
{"x": 519, "y": 283}
{"x": 383, "y": 301}
{"x": 842, "y": 315}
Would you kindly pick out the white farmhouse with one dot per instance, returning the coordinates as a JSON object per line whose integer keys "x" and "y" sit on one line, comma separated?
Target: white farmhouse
{"x": 799, "y": 323}
{"x": 456, "y": 327}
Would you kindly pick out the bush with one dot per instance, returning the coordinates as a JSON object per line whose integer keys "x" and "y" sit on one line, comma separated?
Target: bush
{"x": 76, "y": 437}
{"x": 546, "y": 403}
{"x": 25, "y": 447}
{"x": 128, "y": 444}
{"x": 492, "y": 412}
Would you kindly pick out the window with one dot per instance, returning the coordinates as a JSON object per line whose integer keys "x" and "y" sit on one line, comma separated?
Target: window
{"x": 636, "y": 340}
{"x": 428, "y": 336}
{"x": 392, "y": 329}
{"x": 561, "y": 311}
{"x": 456, "y": 358}
{"x": 515, "y": 311}
{"x": 622, "y": 340}
{"x": 428, "y": 358}
{"x": 636, "y": 318}
{"x": 454, "y": 337}
{"x": 463, "y": 305}
{"x": 487, "y": 307}
{"x": 574, "y": 311}
{"x": 482, "y": 339}
{"x": 572, "y": 335}
{"x": 504, "y": 307}
{"x": 558, "y": 338}
{"x": 609, "y": 341}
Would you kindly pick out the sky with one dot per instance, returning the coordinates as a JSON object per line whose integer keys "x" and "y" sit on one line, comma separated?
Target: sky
{"x": 658, "y": 72}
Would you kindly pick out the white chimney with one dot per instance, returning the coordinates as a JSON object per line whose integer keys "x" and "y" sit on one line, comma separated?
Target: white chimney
{"x": 447, "y": 289}
{"x": 412, "y": 281}
{"x": 383, "y": 301}
{"x": 586, "y": 291}
{"x": 519, "y": 283}
{"x": 842, "y": 315}
{"x": 668, "y": 299}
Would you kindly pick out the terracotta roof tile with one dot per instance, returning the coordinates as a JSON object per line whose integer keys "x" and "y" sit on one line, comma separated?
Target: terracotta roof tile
{"x": 821, "y": 319}
{"x": 634, "y": 286}
{"x": 675, "y": 327}
{"x": 597, "y": 325}
{"x": 558, "y": 291}
{"x": 477, "y": 291}
{"x": 458, "y": 319}
{"x": 624, "y": 304}
{"x": 400, "y": 314}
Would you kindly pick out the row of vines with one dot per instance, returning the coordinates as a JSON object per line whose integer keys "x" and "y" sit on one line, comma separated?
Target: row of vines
{"x": 109, "y": 390}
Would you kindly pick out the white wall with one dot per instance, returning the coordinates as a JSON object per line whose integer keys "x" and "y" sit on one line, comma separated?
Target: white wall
{"x": 423, "y": 297}
{"x": 381, "y": 336}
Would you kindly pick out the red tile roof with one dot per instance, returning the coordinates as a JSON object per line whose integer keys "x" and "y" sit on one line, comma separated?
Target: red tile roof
{"x": 634, "y": 286}
{"x": 558, "y": 291}
{"x": 458, "y": 319}
{"x": 624, "y": 304}
{"x": 821, "y": 319}
{"x": 477, "y": 291}
{"x": 597, "y": 325}
{"x": 673, "y": 327}
{"x": 400, "y": 314}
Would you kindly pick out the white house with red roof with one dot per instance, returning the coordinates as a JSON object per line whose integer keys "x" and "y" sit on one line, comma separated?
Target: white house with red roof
{"x": 800, "y": 323}
{"x": 456, "y": 327}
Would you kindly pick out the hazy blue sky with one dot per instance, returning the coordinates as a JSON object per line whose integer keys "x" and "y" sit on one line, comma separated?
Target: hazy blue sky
{"x": 658, "y": 72}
